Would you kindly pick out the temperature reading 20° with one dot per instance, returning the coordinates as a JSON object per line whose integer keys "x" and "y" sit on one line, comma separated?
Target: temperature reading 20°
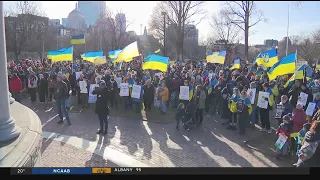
{"x": 138, "y": 169}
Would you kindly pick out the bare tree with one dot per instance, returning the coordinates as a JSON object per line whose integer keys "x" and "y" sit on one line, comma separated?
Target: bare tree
{"x": 246, "y": 16}
{"x": 112, "y": 29}
{"x": 24, "y": 29}
{"x": 180, "y": 14}
{"x": 224, "y": 30}
{"x": 156, "y": 24}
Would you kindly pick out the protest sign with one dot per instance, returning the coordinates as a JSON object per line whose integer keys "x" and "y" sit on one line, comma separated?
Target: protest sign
{"x": 78, "y": 74}
{"x": 92, "y": 97}
{"x": 124, "y": 89}
{"x": 281, "y": 141}
{"x": 303, "y": 99}
{"x": 251, "y": 94}
{"x": 136, "y": 91}
{"x": 279, "y": 111}
{"x": 118, "y": 80}
{"x": 262, "y": 102}
{"x": 310, "y": 109}
{"x": 83, "y": 87}
{"x": 184, "y": 93}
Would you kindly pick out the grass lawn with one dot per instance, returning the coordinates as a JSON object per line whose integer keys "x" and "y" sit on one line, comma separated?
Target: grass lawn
{"x": 153, "y": 116}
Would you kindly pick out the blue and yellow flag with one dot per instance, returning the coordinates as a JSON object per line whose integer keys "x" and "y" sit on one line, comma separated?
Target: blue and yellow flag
{"x": 119, "y": 66}
{"x": 216, "y": 57}
{"x": 128, "y": 53}
{"x": 64, "y": 54}
{"x": 100, "y": 60}
{"x": 156, "y": 62}
{"x": 78, "y": 39}
{"x": 157, "y": 51}
{"x": 302, "y": 72}
{"x": 113, "y": 54}
{"x": 267, "y": 58}
{"x": 91, "y": 56}
{"x": 236, "y": 64}
{"x": 286, "y": 65}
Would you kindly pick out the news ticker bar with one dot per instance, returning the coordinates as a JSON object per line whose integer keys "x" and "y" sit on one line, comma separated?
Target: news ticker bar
{"x": 155, "y": 171}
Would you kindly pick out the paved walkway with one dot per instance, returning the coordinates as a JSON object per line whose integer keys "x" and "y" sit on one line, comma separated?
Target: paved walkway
{"x": 139, "y": 143}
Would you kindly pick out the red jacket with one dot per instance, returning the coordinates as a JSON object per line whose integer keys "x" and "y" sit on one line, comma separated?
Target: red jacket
{"x": 298, "y": 119}
{"x": 15, "y": 84}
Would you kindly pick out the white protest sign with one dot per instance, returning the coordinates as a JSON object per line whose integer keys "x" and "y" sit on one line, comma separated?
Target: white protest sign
{"x": 251, "y": 94}
{"x": 262, "y": 102}
{"x": 184, "y": 93}
{"x": 124, "y": 89}
{"x": 136, "y": 91}
{"x": 118, "y": 80}
{"x": 303, "y": 99}
{"x": 78, "y": 74}
{"x": 83, "y": 87}
{"x": 92, "y": 97}
{"x": 310, "y": 109}
{"x": 279, "y": 111}
{"x": 281, "y": 141}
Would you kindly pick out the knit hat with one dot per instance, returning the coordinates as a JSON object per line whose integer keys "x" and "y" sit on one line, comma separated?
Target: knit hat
{"x": 102, "y": 84}
{"x": 286, "y": 117}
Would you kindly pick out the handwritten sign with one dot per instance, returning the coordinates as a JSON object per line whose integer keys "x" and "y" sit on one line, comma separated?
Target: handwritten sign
{"x": 92, "y": 97}
{"x": 310, "y": 109}
{"x": 118, "y": 80}
{"x": 136, "y": 91}
{"x": 252, "y": 94}
{"x": 159, "y": 74}
{"x": 281, "y": 141}
{"x": 184, "y": 93}
{"x": 124, "y": 89}
{"x": 262, "y": 102}
{"x": 83, "y": 87}
{"x": 303, "y": 99}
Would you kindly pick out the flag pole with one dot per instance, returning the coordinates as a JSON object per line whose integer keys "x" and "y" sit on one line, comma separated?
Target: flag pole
{"x": 288, "y": 31}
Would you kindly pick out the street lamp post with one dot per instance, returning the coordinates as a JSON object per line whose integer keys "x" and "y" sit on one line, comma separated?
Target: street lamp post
{"x": 287, "y": 46}
{"x": 164, "y": 33}
{"x": 8, "y": 130}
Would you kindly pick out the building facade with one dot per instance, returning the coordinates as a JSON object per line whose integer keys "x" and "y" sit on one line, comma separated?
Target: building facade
{"x": 54, "y": 22}
{"x": 64, "y": 22}
{"x": 92, "y": 10}
{"x": 271, "y": 42}
{"x": 76, "y": 20}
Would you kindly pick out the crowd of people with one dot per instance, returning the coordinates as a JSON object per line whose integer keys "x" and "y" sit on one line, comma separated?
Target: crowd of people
{"x": 215, "y": 90}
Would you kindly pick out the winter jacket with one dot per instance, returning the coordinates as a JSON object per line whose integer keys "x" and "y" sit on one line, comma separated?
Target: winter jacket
{"x": 15, "y": 85}
{"x": 298, "y": 118}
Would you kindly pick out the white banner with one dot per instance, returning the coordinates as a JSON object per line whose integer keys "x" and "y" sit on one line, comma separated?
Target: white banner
{"x": 124, "y": 89}
{"x": 310, "y": 109}
{"x": 184, "y": 93}
{"x": 78, "y": 74}
{"x": 136, "y": 91}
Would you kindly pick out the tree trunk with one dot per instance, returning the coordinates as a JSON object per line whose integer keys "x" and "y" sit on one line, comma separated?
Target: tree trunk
{"x": 246, "y": 35}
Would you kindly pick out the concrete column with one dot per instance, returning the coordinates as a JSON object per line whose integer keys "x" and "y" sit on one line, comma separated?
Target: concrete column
{"x": 8, "y": 130}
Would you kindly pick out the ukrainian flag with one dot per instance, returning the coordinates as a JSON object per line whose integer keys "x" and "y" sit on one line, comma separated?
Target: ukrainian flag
{"x": 267, "y": 58}
{"x": 300, "y": 73}
{"x": 113, "y": 54}
{"x": 64, "y": 54}
{"x": 216, "y": 57}
{"x": 78, "y": 39}
{"x": 156, "y": 62}
{"x": 91, "y": 56}
{"x": 157, "y": 51}
{"x": 128, "y": 53}
{"x": 190, "y": 93}
{"x": 236, "y": 64}
{"x": 119, "y": 66}
{"x": 100, "y": 60}
{"x": 286, "y": 65}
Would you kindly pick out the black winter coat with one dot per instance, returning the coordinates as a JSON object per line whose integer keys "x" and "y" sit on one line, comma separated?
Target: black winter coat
{"x": 101, "y": 104}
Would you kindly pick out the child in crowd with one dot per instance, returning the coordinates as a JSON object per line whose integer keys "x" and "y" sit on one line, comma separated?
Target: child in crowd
{"x": 179, "y": 114}
{"x": 302, "y": 133}
{"x": 284, "y": 129}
